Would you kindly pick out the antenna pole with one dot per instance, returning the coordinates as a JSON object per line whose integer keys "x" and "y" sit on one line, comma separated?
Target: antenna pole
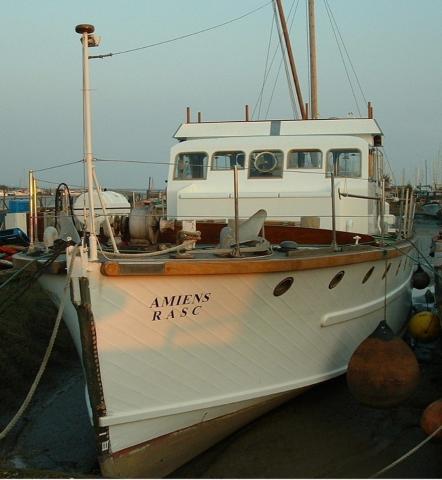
{"x": 237, "y": 251}
{"x": 313, "y": 63}
{"x": 291, "y": 58}
{"x": 84, "y": 31}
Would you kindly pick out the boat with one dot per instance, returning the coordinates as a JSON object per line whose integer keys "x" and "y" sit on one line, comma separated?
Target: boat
{"x": 432, "y": 208}
{"x": 276, "y": 257}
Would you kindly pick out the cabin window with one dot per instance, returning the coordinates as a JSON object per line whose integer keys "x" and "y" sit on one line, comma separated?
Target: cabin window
{"x": 191, "y": 166}
{"x": 266, "y": 164}
{"x": 348, "y": 163}
{"x": 304, "y": 159}
{"x": 227, "y": 160}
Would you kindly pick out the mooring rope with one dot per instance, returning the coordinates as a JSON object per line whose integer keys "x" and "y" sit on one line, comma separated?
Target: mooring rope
{"x": 47, "y": 354}
{"x": 406, "y": 455}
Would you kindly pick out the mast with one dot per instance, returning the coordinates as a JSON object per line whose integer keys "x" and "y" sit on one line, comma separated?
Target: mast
{"x": 291, "y": 59}
{"x": 313, "y": 64}
{"x": 86, "y": 32}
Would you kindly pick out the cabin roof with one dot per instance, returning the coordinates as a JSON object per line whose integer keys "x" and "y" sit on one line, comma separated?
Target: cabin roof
{"x": 344, "y": 126}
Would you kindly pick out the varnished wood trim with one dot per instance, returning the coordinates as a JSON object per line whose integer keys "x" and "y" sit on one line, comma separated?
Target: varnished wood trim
{"x": 254, "y": 265}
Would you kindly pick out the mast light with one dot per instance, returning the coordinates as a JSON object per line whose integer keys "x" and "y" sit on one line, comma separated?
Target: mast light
{"x": 86, "y": 28}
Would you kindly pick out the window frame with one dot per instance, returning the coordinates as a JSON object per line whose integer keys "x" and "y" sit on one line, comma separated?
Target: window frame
{"x": 306, "y": 150}
{"x": 227, "y": 169}
{"x": 346, "y": 149}
{"x": 205, "y": 167}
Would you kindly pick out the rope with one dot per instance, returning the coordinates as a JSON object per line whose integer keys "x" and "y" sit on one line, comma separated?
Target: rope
{"x": 406, "y": 455}
{"x": 22, "y": 288}
{"x": 17, "y": 273}
{"x": 428, "y": 263}
{"x": 47, "y": 354}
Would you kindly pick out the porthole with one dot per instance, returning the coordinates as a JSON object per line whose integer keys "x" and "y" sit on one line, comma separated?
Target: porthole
{"x": 367, "y": 275}
{"x": 283, "y": 286}
{"x": 336, "y": 279}
{"x": 398, "y": 267}
{"x": 386, "y": 271}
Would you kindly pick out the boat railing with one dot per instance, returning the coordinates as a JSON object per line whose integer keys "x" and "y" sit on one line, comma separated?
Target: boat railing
{"x": 44, "y": 216}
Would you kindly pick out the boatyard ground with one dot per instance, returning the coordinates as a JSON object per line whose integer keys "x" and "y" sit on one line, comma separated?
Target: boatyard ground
{"x": 324, "y": 433}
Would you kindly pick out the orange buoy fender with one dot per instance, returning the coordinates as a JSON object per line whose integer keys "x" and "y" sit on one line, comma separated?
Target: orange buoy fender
{"x": 383, "y": 371}
{"x": 432, "y": 418}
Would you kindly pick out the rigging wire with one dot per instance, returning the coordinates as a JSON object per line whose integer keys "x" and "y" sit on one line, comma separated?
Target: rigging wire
{"x": 82, "y": 189}
{"x": 50, "y": 182}
{"x": 280, "y": 63}
{"x": 286, "y": 65}
{"x": 265, "y": 80}
{"x": 389, "y": 165}
{"x": 116, "y": 160}
{"x": 181, "y": 37}
{"x": 58, "y": 166}
{"x": 342, "y": 58}
{"x": 346, "y": 51}
{"x": 266, "y": 65}
{"x": 267, "y": 70}
{"x": 277, "y": 49}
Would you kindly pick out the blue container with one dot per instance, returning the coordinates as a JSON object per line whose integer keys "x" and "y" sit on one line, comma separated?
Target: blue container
{"x": 13, "y": 236}
{"x": 18, "y": 205}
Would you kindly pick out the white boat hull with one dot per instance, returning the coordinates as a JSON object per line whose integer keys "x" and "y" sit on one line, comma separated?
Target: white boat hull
{"x": 175, "y": 352}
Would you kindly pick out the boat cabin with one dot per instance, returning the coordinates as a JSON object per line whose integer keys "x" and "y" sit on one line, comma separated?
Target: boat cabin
{"x": 283, "y": 167}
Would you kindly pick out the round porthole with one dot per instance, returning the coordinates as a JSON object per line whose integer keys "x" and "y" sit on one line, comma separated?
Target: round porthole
{"x": 386, "y": 271}
{"x": 283, "y": 286}
{"x": 265, "y": 162}
{"x": 367, "y": 275}
{"x": 336, "y": 279}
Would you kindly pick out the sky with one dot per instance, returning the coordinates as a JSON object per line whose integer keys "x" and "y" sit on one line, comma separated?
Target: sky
{"x": 139, "y": 98}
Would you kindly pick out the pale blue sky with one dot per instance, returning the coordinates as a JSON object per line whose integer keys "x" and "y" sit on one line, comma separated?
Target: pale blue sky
{"x": 139, "y": 99}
